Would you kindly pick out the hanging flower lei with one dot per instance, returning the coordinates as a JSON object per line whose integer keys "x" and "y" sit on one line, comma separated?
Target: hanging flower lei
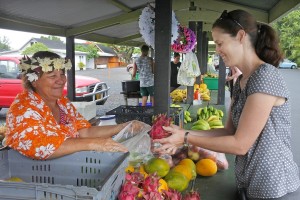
{"x": 147, "y": 25}
{"x": 185, "y": 42}
{"x": 31, "y": 67}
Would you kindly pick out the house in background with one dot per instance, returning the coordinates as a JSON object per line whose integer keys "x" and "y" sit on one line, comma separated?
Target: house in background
{"x": 107, "y": 56}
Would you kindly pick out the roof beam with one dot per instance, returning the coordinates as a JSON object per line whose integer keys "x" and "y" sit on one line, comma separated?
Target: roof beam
{"x": 97, "y": 38}
{"x": 21, "y": 24}
{"x": 125, "y": 39}
{"x": 120, "y": 5}
{"x": 124, "y": 18}
{"x": 282, "y": 8}
{"x": 215, "y": 8}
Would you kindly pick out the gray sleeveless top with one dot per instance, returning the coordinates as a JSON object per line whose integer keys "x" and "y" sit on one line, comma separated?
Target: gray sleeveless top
{"x": 268, "y": 169}
{"x": 144, "y": 65}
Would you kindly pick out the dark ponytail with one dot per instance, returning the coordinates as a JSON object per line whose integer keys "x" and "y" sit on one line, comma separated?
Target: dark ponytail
{"x": 263, "y": 37}
{"x": 267, "y": 45}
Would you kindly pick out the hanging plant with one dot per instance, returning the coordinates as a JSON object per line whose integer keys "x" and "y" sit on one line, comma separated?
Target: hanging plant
{"x": 185, "y": 42}
{"x": 147, "y": 25}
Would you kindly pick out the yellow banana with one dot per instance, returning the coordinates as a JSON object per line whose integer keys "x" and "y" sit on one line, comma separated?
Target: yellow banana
{"x": 214, "y": 127}
{"x": 212, "y": 117}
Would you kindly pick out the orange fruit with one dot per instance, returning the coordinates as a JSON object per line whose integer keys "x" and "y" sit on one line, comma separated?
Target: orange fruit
{"x": 162, "y": 185}
{"x": 206, "y": 167}
{"x": 176, "y": 181}
{"x": 189, "y": 163}
{"x": 185, "y": 170}
{"x": 158, "y": 165}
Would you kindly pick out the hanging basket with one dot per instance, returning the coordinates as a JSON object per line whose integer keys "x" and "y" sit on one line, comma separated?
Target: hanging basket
{"x": 147, "y": 25}
{"x": 185, "y": 42}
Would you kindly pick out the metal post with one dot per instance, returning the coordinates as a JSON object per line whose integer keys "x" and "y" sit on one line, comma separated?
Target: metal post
{"x": 162, "y": 68}
{"x": 70, "y": 54}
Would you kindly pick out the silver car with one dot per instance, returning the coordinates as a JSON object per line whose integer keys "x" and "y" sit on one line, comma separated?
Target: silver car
{"x": 287, "y": 64}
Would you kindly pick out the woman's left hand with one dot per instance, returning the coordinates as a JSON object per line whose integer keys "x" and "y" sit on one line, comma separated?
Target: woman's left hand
{"x": 171, "y": 143}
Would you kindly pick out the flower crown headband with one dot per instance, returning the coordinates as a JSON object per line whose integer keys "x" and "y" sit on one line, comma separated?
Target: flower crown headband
{"x": 33, "y": 66}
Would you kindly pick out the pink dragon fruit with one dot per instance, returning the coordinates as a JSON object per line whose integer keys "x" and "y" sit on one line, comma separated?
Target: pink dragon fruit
{"x": 134, "y": 177}
{"x": 192, "y": 195}
{"x": 129, "y": 191}
{"x": 172, "y": 195}
{"x": 157, "y": 132}
{"x": 152, "y": 196}
{"x": 151, "y": 183}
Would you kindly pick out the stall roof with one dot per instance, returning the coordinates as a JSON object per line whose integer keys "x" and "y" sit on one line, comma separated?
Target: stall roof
{"x": 116, "y": 21}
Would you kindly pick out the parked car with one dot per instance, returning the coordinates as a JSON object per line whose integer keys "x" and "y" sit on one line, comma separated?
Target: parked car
{"x": 287, "y": 64}
{"x": 86, "y": 88}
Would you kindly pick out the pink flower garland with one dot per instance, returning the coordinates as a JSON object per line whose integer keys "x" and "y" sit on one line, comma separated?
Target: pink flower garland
{"x": 185, "y": 42}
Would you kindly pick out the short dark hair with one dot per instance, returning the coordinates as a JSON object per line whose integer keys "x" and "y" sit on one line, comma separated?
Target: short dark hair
{"x": 176, "y": 54}
{"x": 144, "y": 48}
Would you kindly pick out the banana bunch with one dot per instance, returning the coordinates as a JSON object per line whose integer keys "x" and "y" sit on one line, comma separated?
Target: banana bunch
{"x": 206, "y": 112}
{"x": 187, "y": 117}
{"x": 205, "y": 97}
{"x": 178, "y": 95}
{"x": 211, "y": 123}
{"x": 200, "y": 124}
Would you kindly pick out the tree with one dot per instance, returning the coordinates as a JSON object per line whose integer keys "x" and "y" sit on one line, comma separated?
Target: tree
{"x": 91, "y": 49}
{"x": 288, "y": 29}
{"x": 35, "y": 48}
{"x": 125, "y": 52}
{"x": 4, "y": 44}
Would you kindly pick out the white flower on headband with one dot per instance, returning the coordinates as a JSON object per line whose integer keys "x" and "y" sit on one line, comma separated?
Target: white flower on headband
{"x": 46, "y": 64}
{"x": 32, "y": 77}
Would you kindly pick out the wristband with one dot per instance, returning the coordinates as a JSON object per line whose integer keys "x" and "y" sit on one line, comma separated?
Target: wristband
{"x": 185, "y": 142}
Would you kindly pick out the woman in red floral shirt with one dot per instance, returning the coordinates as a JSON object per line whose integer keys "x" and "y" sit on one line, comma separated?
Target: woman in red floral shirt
{"x": 43, "y": 124}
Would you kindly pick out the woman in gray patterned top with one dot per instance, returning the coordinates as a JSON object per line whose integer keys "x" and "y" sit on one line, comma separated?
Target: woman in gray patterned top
{"x": 258, "y": 129}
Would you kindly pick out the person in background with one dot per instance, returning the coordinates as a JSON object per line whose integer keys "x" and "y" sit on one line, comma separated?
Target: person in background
{"x": 145, "y": 65}
{"x": 175, "y": 65}
{"x": 43, "y": 124}
{"x": 231, "y": 78}
{"x": 258, "y": 129}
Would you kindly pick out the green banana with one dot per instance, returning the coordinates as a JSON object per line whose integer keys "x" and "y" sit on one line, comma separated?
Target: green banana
{"x": 200, "y": 127}
{"x": 212, "y": 118}
{"x": 199, "y": 111}
{"x": 221, "y": 113}
{"x": 215, "y": 123}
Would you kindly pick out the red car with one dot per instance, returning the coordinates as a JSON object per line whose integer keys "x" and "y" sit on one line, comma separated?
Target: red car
{"x": 86, "y": 88}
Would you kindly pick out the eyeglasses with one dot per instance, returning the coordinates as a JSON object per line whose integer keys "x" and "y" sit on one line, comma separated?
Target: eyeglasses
{"x": 225, "y": 15}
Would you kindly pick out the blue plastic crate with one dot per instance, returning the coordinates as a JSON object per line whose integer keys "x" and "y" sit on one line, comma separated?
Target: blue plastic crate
{"x": 81, "y": 176}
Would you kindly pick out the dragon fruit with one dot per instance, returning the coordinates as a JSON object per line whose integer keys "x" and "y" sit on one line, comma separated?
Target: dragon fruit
{"x": 152, "y": 196}
{"x": 157, "y": 131}
{"x": 129, "y": 191}
{"x": 192, "y": 195}
{"x": 134, "y": 177}
{"x": 151, "y": 183}
{"x": 172, "y": 195}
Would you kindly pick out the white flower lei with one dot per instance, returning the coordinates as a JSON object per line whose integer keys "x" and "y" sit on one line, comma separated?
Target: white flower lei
{"x": 30, "y": 66}
{"x": 147, "y": 26}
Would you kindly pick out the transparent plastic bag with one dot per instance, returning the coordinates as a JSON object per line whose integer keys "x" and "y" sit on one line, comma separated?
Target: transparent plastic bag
{"x": 132, "y": 129}
{"x": 139, "y": 147}
{"x": 189, "y": 70}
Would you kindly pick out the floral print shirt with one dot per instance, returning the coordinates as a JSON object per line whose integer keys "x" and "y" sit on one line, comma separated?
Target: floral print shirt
{"x": 32, "y": 129}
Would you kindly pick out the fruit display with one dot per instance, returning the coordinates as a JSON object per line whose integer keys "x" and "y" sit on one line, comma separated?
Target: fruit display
{"x": 209, "y": 113}
{"x": 210, "y": 75}
{"x": 178, "y": 95}
{"x": 187, "y": 117}
{"x": 204, "y": 91}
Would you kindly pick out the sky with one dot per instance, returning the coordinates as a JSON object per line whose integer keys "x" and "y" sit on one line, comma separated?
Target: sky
{"x": 18, "y": 38}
